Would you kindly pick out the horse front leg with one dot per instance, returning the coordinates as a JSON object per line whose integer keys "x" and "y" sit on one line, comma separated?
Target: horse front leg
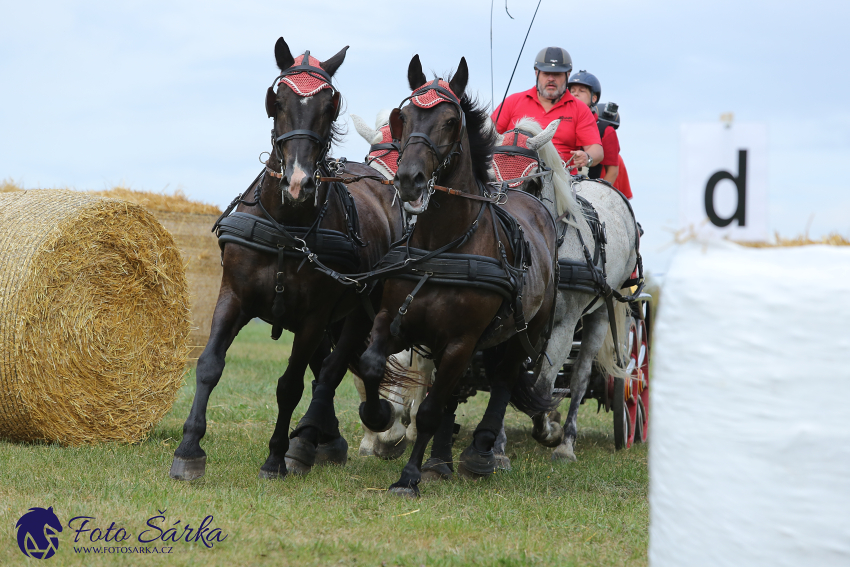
{"x": 594, "y": 328}
{"x": 290, "y": 387}
{"x": 429, "y": 418}
{"x": 547, "y": 428}
{"x": 190, "y": 459}
{"x": 376, "y": 413}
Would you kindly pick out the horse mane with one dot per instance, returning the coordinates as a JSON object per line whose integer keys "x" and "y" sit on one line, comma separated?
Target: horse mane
{"x": 482, "y": 136}
{"x": 561, "y": 179}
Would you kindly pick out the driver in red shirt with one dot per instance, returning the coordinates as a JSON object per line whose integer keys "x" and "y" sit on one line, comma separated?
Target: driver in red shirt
{"x": 577, "y": 137}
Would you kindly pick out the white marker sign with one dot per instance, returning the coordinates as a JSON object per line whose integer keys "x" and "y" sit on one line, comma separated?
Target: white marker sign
{"x": 723, "y": 180}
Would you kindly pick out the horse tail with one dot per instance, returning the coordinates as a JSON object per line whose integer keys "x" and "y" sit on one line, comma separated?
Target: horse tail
{"x": 398, "y": 379}
{"x": 606, "y": 360}
{"x": 398, "y": 376}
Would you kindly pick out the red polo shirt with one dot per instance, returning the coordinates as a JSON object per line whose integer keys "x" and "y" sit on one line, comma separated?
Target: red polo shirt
{"x": 622, "y": 184}
{"x": 577, "y": 128}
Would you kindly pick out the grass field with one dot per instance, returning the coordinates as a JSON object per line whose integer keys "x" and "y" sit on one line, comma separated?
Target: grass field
{"x": 593, "y": 512}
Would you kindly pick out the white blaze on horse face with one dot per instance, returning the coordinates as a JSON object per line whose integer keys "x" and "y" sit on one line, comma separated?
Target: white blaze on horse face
{"x": 298, "y": 175}
{"x": 305, "y": 99}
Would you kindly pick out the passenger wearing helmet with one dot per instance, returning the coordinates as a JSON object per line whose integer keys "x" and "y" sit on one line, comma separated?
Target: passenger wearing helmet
{"x": 586, "y": 87}
{"x": 577, "y": 137}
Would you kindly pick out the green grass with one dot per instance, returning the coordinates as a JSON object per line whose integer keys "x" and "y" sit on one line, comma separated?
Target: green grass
{"x": 593, "y": 512}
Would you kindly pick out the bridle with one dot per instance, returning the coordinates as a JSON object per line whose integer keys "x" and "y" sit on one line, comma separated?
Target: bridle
{"x": 455, "y": 147}
{"x": 324, "y": 142}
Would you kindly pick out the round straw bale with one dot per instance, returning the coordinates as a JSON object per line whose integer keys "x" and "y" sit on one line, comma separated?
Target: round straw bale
{"x": 202, "y": 259}
{"x": 94, "y": 318}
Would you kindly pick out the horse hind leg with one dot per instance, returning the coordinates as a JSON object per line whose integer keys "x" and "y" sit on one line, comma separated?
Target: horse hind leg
{"x": 290, "y": 388}
{"x": 478, "y": 460}
{"x": 189, "y": 460}
{"x": 595, "y": 327}
{"x": 455, "y": 359}
{"x": 316, "y": 439}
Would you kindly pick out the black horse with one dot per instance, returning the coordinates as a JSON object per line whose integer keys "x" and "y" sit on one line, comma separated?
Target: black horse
{"x": 470, "y": 276}
{"x": 290, "y": 221}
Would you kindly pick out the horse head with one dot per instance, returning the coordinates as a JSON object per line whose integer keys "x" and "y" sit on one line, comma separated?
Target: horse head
{"x": 304, "y": 109}
{"x": 528, "y": 149}
{"x": 516, "y": 155}
{"x": 430, "y": 133}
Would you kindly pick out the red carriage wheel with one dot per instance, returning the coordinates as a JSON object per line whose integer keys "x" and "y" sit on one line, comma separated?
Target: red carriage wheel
{"x": 642, "y": 422}
{"x": 621, "y": 419}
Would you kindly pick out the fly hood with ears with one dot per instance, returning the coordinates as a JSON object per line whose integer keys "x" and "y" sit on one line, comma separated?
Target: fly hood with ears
{"x": 512, "y": 158}
{"x": 305, "y": 77}
{"x": 430, "y": 95}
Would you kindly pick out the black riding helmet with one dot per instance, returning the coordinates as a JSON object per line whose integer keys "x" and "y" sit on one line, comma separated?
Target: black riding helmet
{"x": 588, "y": 80}
{"x": 553, "y": 60}
{"x": 609, "y": 113}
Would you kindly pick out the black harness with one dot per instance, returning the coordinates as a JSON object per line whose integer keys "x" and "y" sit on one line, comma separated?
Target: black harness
{"x": 589, "y": 276}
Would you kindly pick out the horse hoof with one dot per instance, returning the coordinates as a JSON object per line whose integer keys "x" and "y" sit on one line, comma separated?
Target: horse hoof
{"x": 436, "y": 469}
{"x": 384, "y": 420}
{"x": 300, "y": 457}
{"x": 188, "y": 469}
{"x": 549, "y": 434}
{"x": 389, "y": 451}
{"x": 333, "y": 453}
{"x": 366, "y": 449}
{"x": 404, "y": 491}
{"x": 474, "y": 464}
{"x": 564, "y": 454}
{"x": 275, "y": 474}
{"x": 503, "y": 463}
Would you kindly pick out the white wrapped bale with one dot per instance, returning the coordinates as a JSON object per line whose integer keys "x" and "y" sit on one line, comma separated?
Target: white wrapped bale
{"x": 750, "y": 451}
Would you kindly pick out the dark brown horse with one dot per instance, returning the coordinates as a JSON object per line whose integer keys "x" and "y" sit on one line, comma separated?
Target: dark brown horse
{"x": 446, "y": 142}
{"x": 268, "y": 272}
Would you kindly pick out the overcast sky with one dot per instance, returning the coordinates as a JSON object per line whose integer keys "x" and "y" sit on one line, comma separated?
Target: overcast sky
{"x": 167, "y": 95}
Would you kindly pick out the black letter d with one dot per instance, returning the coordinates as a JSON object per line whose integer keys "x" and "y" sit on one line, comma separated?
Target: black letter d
{"x": 740, "y": 182}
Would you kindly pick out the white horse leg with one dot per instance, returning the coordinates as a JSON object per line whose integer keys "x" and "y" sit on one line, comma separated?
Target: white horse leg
{"x": 426, "y": 368}
{"x": 595, "y": 327}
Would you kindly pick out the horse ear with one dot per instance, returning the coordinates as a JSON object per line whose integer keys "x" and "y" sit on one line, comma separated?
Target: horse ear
{"x": 335, "y": 99}
{"x": 331, "y": 65}
{"x": 396, "y": 126}
{"x": 460, "y": 78}
{"x": 271, "y": 102}
{"x": 282, "y": 55}
{"x": 370, "y": 135}
{"x": 544, "y": 136}
{"x": 415, "y": 76}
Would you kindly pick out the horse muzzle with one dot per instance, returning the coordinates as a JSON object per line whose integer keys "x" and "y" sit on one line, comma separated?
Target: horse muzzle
{"x": 297, "y": 185}
{"x": 413, "y": 190}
